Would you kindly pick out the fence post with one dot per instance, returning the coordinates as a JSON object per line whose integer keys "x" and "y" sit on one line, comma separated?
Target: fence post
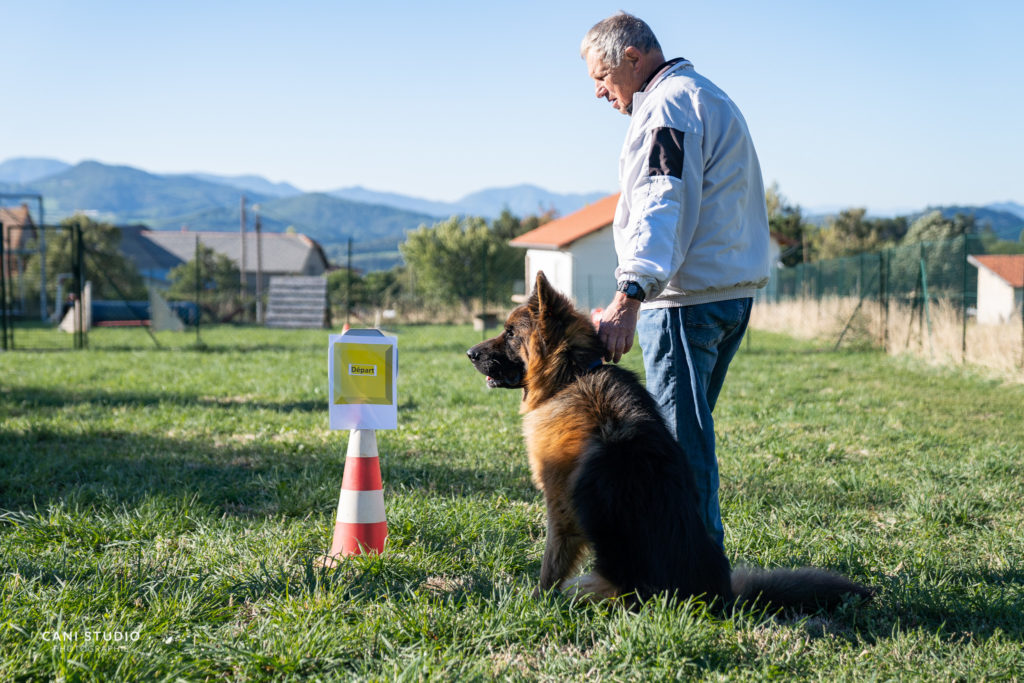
{"x": 199, "y": 279}
{"x": 3, "y": 288}
{"x": 963, "y": 315}
{"x": 860, "y": 281}
{"x": 885, "y": 294}
{"x": 927, "y": 303}
{"x": 77, "y": 277}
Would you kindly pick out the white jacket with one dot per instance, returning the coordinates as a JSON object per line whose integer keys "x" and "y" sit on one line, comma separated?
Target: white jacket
{"x": 691, "y": 225}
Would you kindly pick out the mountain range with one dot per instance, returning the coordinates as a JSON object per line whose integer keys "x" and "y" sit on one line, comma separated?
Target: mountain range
{"x": 375, "y": 221}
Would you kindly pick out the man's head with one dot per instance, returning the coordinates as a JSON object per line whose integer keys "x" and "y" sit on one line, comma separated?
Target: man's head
{"x": 621, "y": 53}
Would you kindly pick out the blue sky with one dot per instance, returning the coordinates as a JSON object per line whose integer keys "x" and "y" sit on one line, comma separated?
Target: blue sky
{"x": 889, "y": 105}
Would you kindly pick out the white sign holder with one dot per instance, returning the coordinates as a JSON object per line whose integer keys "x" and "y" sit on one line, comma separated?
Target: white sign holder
{"x": 362, "y": 366}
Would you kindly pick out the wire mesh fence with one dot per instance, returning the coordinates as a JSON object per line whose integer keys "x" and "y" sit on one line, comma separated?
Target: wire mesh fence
{"x": 41, "y": 299}
{"x": 930, "y": 298}
{"x": 83, "y": 284}
{"x": 87, "y": 284}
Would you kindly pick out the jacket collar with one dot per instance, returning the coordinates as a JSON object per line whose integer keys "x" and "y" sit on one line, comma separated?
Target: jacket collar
{"x": 656, "y": 77}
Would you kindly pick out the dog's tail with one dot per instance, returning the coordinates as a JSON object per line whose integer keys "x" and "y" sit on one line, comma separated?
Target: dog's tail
{"x": 801, "y": 589}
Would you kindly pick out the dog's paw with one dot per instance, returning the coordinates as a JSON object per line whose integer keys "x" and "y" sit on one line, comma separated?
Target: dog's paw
{"x": 589, "y": 588}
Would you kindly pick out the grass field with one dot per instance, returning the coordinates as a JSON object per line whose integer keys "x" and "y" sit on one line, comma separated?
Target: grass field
{"x": 161, "y": 513}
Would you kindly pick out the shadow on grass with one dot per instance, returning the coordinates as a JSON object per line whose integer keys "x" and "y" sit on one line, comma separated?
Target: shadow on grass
{"x": 361, "y": 578}
{"x": 26, "y": 399}
{"x": 200, "y": 347}
{"x": 124, "y": 468}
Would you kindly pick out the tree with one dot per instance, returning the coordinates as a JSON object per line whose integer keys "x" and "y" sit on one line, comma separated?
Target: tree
{"x": 112, "y": 275}
{"x": 933, "y": 241}
{"x": 463, "y": 260}
{"x": 934, "y": 227}
{"x": 787, "y": 222}
{"x": 218, "y": 283}
{"x": 847, "y": 234}
{"x": 890, "y": 231}
{"x": 376, "y": 289}
{"x": 508, "y": 226}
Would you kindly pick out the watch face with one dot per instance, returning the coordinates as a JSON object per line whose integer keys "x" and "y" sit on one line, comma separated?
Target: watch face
{"x": 631, "y": 290}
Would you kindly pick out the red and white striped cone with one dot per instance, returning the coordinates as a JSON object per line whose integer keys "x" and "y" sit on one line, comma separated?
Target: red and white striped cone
{"x": 361, "y": 525}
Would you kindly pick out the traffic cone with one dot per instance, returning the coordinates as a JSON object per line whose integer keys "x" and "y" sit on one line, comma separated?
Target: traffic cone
{"x": 361, "y": 525}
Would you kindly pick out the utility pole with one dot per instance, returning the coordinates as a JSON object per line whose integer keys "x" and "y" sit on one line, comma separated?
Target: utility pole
{"x": 42, "y": 265}
{"x": 241, "y": 258}
{"x": 348, "y": 283}
{"x": 259, "y": 265}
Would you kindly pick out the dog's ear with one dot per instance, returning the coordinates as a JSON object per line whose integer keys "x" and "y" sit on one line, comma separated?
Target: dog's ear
{"x": 547, "y": 304}
{"x": 542, "y": 281}
{"x": 542, "y": 293}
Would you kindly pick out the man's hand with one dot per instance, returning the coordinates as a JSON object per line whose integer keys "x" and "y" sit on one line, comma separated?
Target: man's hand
{"x": 617, "y": 325}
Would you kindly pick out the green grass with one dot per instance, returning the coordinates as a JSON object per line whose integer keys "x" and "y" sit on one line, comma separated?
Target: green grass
{"x": 178, "y": 500}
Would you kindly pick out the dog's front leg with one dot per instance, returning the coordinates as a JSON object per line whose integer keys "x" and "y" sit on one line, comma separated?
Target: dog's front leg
{"x": 565, "y": 541}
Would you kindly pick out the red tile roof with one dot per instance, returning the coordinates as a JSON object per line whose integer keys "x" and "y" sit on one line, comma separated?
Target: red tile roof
{"x": 566, "y": 230}
{"x": 1008, "y": 267}
{"x": 15, "y": 216}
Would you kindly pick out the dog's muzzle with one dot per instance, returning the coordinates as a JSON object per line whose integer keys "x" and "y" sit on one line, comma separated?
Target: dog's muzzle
{"x": 499, "y": 375}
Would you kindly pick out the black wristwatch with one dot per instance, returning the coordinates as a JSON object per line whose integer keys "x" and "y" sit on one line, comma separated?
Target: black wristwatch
{"x": 632, "y": 290}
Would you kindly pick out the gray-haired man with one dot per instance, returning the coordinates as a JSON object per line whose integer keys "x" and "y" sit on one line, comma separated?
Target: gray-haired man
{"x": 691, "y": 233}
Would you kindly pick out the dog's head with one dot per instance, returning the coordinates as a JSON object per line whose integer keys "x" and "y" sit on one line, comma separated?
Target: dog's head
{"x": 544, "y": 340}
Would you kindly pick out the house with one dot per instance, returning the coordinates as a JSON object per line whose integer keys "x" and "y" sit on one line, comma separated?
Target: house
{"x": 1000, "y": 286}
{"x": 156, "y": 252}
{"x": 19, "y": 231}
{"x": 577, "y": 253}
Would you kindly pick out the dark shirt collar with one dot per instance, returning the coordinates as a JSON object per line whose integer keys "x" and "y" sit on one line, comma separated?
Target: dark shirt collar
{"x": 664, "y": 66}
{"x": 661, "y": 67}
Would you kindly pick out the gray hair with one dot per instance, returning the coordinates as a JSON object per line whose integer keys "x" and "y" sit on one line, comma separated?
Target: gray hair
{"x": 610, "y": 37}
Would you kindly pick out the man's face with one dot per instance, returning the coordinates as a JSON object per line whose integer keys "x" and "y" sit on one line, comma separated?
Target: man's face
{"x": 618, "y": 84}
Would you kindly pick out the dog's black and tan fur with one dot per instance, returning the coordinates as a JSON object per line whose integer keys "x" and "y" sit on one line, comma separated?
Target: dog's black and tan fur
{"x": 613, "y": 478}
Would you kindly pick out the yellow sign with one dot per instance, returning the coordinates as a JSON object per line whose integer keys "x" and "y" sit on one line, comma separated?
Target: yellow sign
{"x": 363, "y": 374}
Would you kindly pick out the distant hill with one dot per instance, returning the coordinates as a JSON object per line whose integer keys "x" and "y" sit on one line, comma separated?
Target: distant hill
{"x": 1008, "y": 207}
{"x": 25, "y": 170}
{"x": 398, "y": 201}
{"x": 1006, "y": 225}
{"x": 376, "y": 221}
{"x": 326, "y": 219}
{"x": 126, "y": 196}
{"x": 329, "y": 219}
{"x": 251, "y": 183}
{"x": 1005, "y": 219}
{"x": 123, "y": 194}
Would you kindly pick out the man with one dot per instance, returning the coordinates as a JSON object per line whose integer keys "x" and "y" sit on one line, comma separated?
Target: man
{"x": 691, "y": 233}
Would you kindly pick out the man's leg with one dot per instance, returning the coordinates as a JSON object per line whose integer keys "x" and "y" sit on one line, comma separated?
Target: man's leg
{"x": 687, "y": 351}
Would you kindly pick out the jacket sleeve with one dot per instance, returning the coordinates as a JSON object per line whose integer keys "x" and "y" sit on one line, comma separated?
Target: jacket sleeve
{"x": 665, "y": 200}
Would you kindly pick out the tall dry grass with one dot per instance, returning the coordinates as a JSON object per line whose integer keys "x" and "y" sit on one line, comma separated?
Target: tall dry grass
{"x": 997, "y": 348}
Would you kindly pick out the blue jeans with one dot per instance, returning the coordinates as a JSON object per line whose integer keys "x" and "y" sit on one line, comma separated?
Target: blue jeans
{"x": 687, "y": 351}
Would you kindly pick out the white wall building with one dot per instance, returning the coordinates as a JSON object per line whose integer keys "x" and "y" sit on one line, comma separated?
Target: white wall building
{"x": 1000, "y": 286}
{"x": 576, "y": 253}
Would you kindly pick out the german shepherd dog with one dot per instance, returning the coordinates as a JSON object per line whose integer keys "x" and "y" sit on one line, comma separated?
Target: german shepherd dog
{"x": 613, "y": 477}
